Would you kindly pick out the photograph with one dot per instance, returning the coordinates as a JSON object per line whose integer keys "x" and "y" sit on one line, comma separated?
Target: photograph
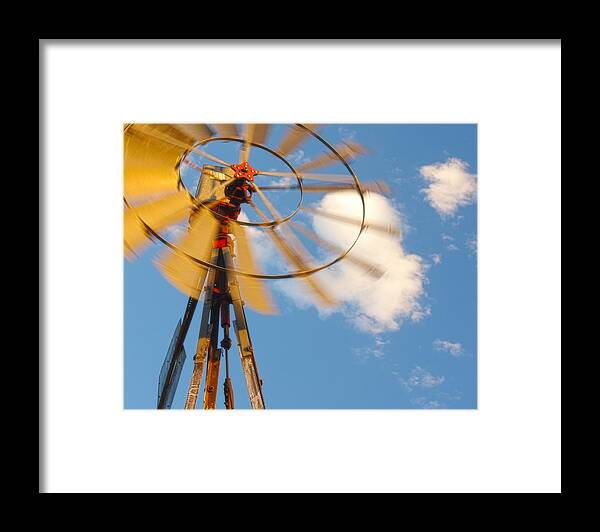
{"x": 304, "y": 266}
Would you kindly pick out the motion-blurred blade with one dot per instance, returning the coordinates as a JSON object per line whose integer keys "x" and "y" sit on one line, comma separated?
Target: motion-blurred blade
{"x": 261, "y": 131}
{"x": 150, "y": 166}
{"x": 294, "y": 137}
{"x": 327, "y": 178}
{"x": 388, "y": 229}
{"x": 255, "y": 293}
{"x": 368, "y": 267}
{"x": 226, "y": 130}
{"x": 186, "y": 275}
{"x": 300, "y": 260}
{"x": 373, "y": 186}
{"x": 248, "y": 136}
{"x": 158, "y": 215}
{"x": 297, "y": 258}
{"x": 210, "y": 157}
{"x": 196, "y": 132}
{"x": 169, "y": 133}
{"x": 347, "y": 150}
{"x": 266, "y": 201}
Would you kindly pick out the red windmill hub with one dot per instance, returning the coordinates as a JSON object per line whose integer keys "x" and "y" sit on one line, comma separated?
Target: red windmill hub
{"x": 244, "y": 171}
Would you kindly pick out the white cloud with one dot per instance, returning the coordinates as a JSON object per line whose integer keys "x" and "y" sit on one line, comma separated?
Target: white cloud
{"x": 282, "y": 182}
{"x": 377, "y": 351}
{"x": 174, "y": 232}
{"x": 452, "y": 247}
{"x": 421, "y": 378}
{"x": 451, "y": 185}
{"x": 370, "y": 304}
{"x": 346, "y": 133}
{"x": 436, "y": 258}
{"x": 454, "y": 348}
{"x": 472, "y": 244}
{"x": 298, "y": 157}
{"x": 426, "y": 403}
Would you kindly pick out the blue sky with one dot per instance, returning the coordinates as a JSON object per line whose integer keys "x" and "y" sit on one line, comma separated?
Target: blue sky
{"x": 420, "y": 354}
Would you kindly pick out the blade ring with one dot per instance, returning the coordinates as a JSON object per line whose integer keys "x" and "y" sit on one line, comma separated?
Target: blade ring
{"x": 270, "y": 223}
{"x": 300, "y": 273}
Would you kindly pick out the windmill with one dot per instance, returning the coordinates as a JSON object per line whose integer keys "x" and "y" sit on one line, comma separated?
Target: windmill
{"x": 215, "y": 258}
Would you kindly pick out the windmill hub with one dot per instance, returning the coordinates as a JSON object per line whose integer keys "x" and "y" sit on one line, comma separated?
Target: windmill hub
{"x": 244, "y": 171}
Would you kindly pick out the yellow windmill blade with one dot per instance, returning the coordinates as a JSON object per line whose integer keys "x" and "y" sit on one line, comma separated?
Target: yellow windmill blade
{"x": 150, "y": 165}
{"x": 261, "y": 132}
{"x": 347, "y": 150}
{"x": 299, "y": 257}
{"x": 248, "y": 139}
{"x": 183, "y": 273}
{"x": 158, "y": 215}
{"x": 227, "y": 130}
{"x": 294, "y": 253}
{"x": 255, "y": 293}
{"x": 195, "y": 132}
{"x": 294, "y": 137}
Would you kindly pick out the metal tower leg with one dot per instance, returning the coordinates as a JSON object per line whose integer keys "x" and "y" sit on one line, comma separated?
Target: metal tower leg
{"x": 253, "y": 382}
{"x": 214, "y": 361}
{"x": 203, "y": 338}
{"x": 220, "y": 298}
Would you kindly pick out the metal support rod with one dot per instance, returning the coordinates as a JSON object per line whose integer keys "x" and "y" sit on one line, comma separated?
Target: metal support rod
{"x": 203, "y": 339}
{"x": 185, "y": 325}
{"x": 214, "y": 362}
{"x": 214, "y": 353}
{"x": 253, "y": 381}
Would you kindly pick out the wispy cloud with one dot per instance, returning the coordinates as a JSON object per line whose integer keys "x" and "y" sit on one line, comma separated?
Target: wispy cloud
{"x": 375, "y": 351}
{"x": 427, "y": 403}
{"x": 450, "y": 185}
{"x": 427, "y": 390}
{"x": 421, "y": 378}
{"x": 436, "y": 258}
{"x": 174, "y": 232}
{"x": 298, "y": 157}
{"x": 455, "y": 349}
{"x": 471, "y": 244}
{"x": 285, "y": 181}
{"x": 346, "y": 133}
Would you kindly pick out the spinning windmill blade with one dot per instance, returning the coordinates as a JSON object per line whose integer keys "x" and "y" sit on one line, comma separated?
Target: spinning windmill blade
{"x": 152, "y": 155}
{"x": 294, "y": 253}
{"x": 261, "y": 133}
{"x": 374, "y": 186}
{"x": 347, "y": 150}
{"x": 327, "y": 178}
{"x": 388, "y": 229}
{"x": 150, "y": 165}
{"x": 248, "y": 136}
{"x": 181, "y": 137}
{"x": 158, "y": 215}
{"x": 183, "y": 273}
{"x": 256, "y": 133}
{"x": 227, "y": 130}
{"x": 294, "y": 137}
{"x": 256, "y": 294}
{"x": 368, "y": 267}
{"x": 195, "y": 132}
